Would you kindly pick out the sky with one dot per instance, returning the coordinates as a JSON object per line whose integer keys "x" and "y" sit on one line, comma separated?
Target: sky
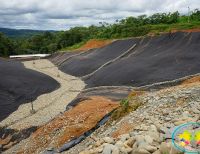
{"x": 63, "y": 14}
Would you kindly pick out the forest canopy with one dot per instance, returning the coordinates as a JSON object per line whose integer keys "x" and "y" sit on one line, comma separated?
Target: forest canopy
{"x": 49, "y": 42}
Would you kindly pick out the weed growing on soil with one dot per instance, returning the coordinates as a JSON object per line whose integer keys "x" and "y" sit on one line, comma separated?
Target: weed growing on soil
{"x": 124, "y": 104}
{"x": 129, "y": 104}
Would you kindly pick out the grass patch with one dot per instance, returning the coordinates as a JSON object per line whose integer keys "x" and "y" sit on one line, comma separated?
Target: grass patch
{"x": 129, "y": 104}
{"x": 177, "y": 26}
{"x": 73, "y": 47}
{"x": 126, "y": 106}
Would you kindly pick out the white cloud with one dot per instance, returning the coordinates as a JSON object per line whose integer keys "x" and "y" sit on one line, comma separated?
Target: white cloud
{"x": 62, "y": 14}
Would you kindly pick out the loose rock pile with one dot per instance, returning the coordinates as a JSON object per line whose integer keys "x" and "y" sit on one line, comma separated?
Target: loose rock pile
{"x": 150, "y": 126}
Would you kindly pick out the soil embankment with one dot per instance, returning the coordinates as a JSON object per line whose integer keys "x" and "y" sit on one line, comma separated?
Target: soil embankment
{"x": 67, "y": 126}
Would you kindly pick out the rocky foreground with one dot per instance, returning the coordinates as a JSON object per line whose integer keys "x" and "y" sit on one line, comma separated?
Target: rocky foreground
{"x": 147, "y": 129}
{"x": 142, "y": 124}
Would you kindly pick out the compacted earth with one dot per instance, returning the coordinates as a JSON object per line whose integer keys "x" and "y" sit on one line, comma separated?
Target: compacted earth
{"x": 63, "y": 128}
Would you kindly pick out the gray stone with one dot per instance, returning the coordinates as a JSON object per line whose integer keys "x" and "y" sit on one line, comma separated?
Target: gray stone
{"x": 124, "y": 137}
{"x": 175, "y": 151}
{"x": 130, "y": 142}
{"x": 150, "y": 148}
{"x": 50, "y": 149}
{"x": 1, "y": 148}
{"x": 153, "y": 128}
{"x": 115, "y": 151}
{"x": 119, "y": 144}
{"x": 165, "y": 147}
{"x": 109, "y": 148}
{"x": 126, "y": 150}
{"x": 108, "y": 140}
{"x": 140, "y": 151}
{"x": 168, "y": 119}
{"x": 157, "y": 152}
{"x": 186, "y": 114}
{"x": 195, "y": 110}
{"x": 85, "y": 152}
{"x": 148, "y": 139}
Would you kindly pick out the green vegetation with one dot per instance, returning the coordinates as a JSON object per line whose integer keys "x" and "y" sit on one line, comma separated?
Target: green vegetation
{"x": 49, "y": 42}
{"x": 124, "y": 104}
{"x": 129, "y": 104}
{"x": 20, "y": 33}
{"x": 73, "y": 47}
{"x": 6, "y": 46}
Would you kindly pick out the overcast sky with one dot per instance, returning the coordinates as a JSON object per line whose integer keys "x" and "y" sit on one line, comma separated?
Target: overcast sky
{"x": 63, "y": 14}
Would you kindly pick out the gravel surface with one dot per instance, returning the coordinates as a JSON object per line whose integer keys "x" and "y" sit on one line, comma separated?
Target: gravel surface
{"x": 49, "y": 105}
{"x": 149, "y": 128}
{"x": 19, "y": 85}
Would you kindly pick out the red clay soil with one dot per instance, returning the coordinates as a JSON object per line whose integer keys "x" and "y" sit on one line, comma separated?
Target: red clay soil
{"x": 91, "y": 44}
{"x": 124, "y": 128}
{"x": 195, "y": 79}
{"x": 70, "y": 124}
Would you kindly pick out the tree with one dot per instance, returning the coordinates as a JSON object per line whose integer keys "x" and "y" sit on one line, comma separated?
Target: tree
{"x": 195, "y": 15}
{"x": 6, "y": 46}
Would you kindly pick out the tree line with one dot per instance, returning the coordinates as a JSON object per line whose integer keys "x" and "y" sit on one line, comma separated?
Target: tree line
{"x": 49, "y": 42}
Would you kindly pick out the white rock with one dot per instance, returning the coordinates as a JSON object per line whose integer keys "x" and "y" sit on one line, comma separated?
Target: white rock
{"x": 99, "y": 142}
{"x": 125, "y": 150}
{"x": 140, "y": 151}
{"x": 85, "y": 152}
{"x": 150, "y": 148}
{"x": 119, "y": 144}
{"x": 165, "y": 147}
{"x": 108, "y": 148}
{"x": 108, "y": 140}
{"x": 157, "y": 152}
{"x": 139, "y": 139}
{"x": 115, "y": 151}
{"x": 148, "y": 139}
{"x": 124, "y": 137}
{"x": 153, "y": 128}
{"x": 154, "y": 135}
{"x": 130, "y": 142}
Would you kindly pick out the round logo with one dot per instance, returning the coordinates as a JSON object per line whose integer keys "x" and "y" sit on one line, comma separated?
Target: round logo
{"x": 186, "y": 137}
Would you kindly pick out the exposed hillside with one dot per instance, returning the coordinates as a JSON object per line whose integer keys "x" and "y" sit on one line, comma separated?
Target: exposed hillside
{"x": 124, "y": 28}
